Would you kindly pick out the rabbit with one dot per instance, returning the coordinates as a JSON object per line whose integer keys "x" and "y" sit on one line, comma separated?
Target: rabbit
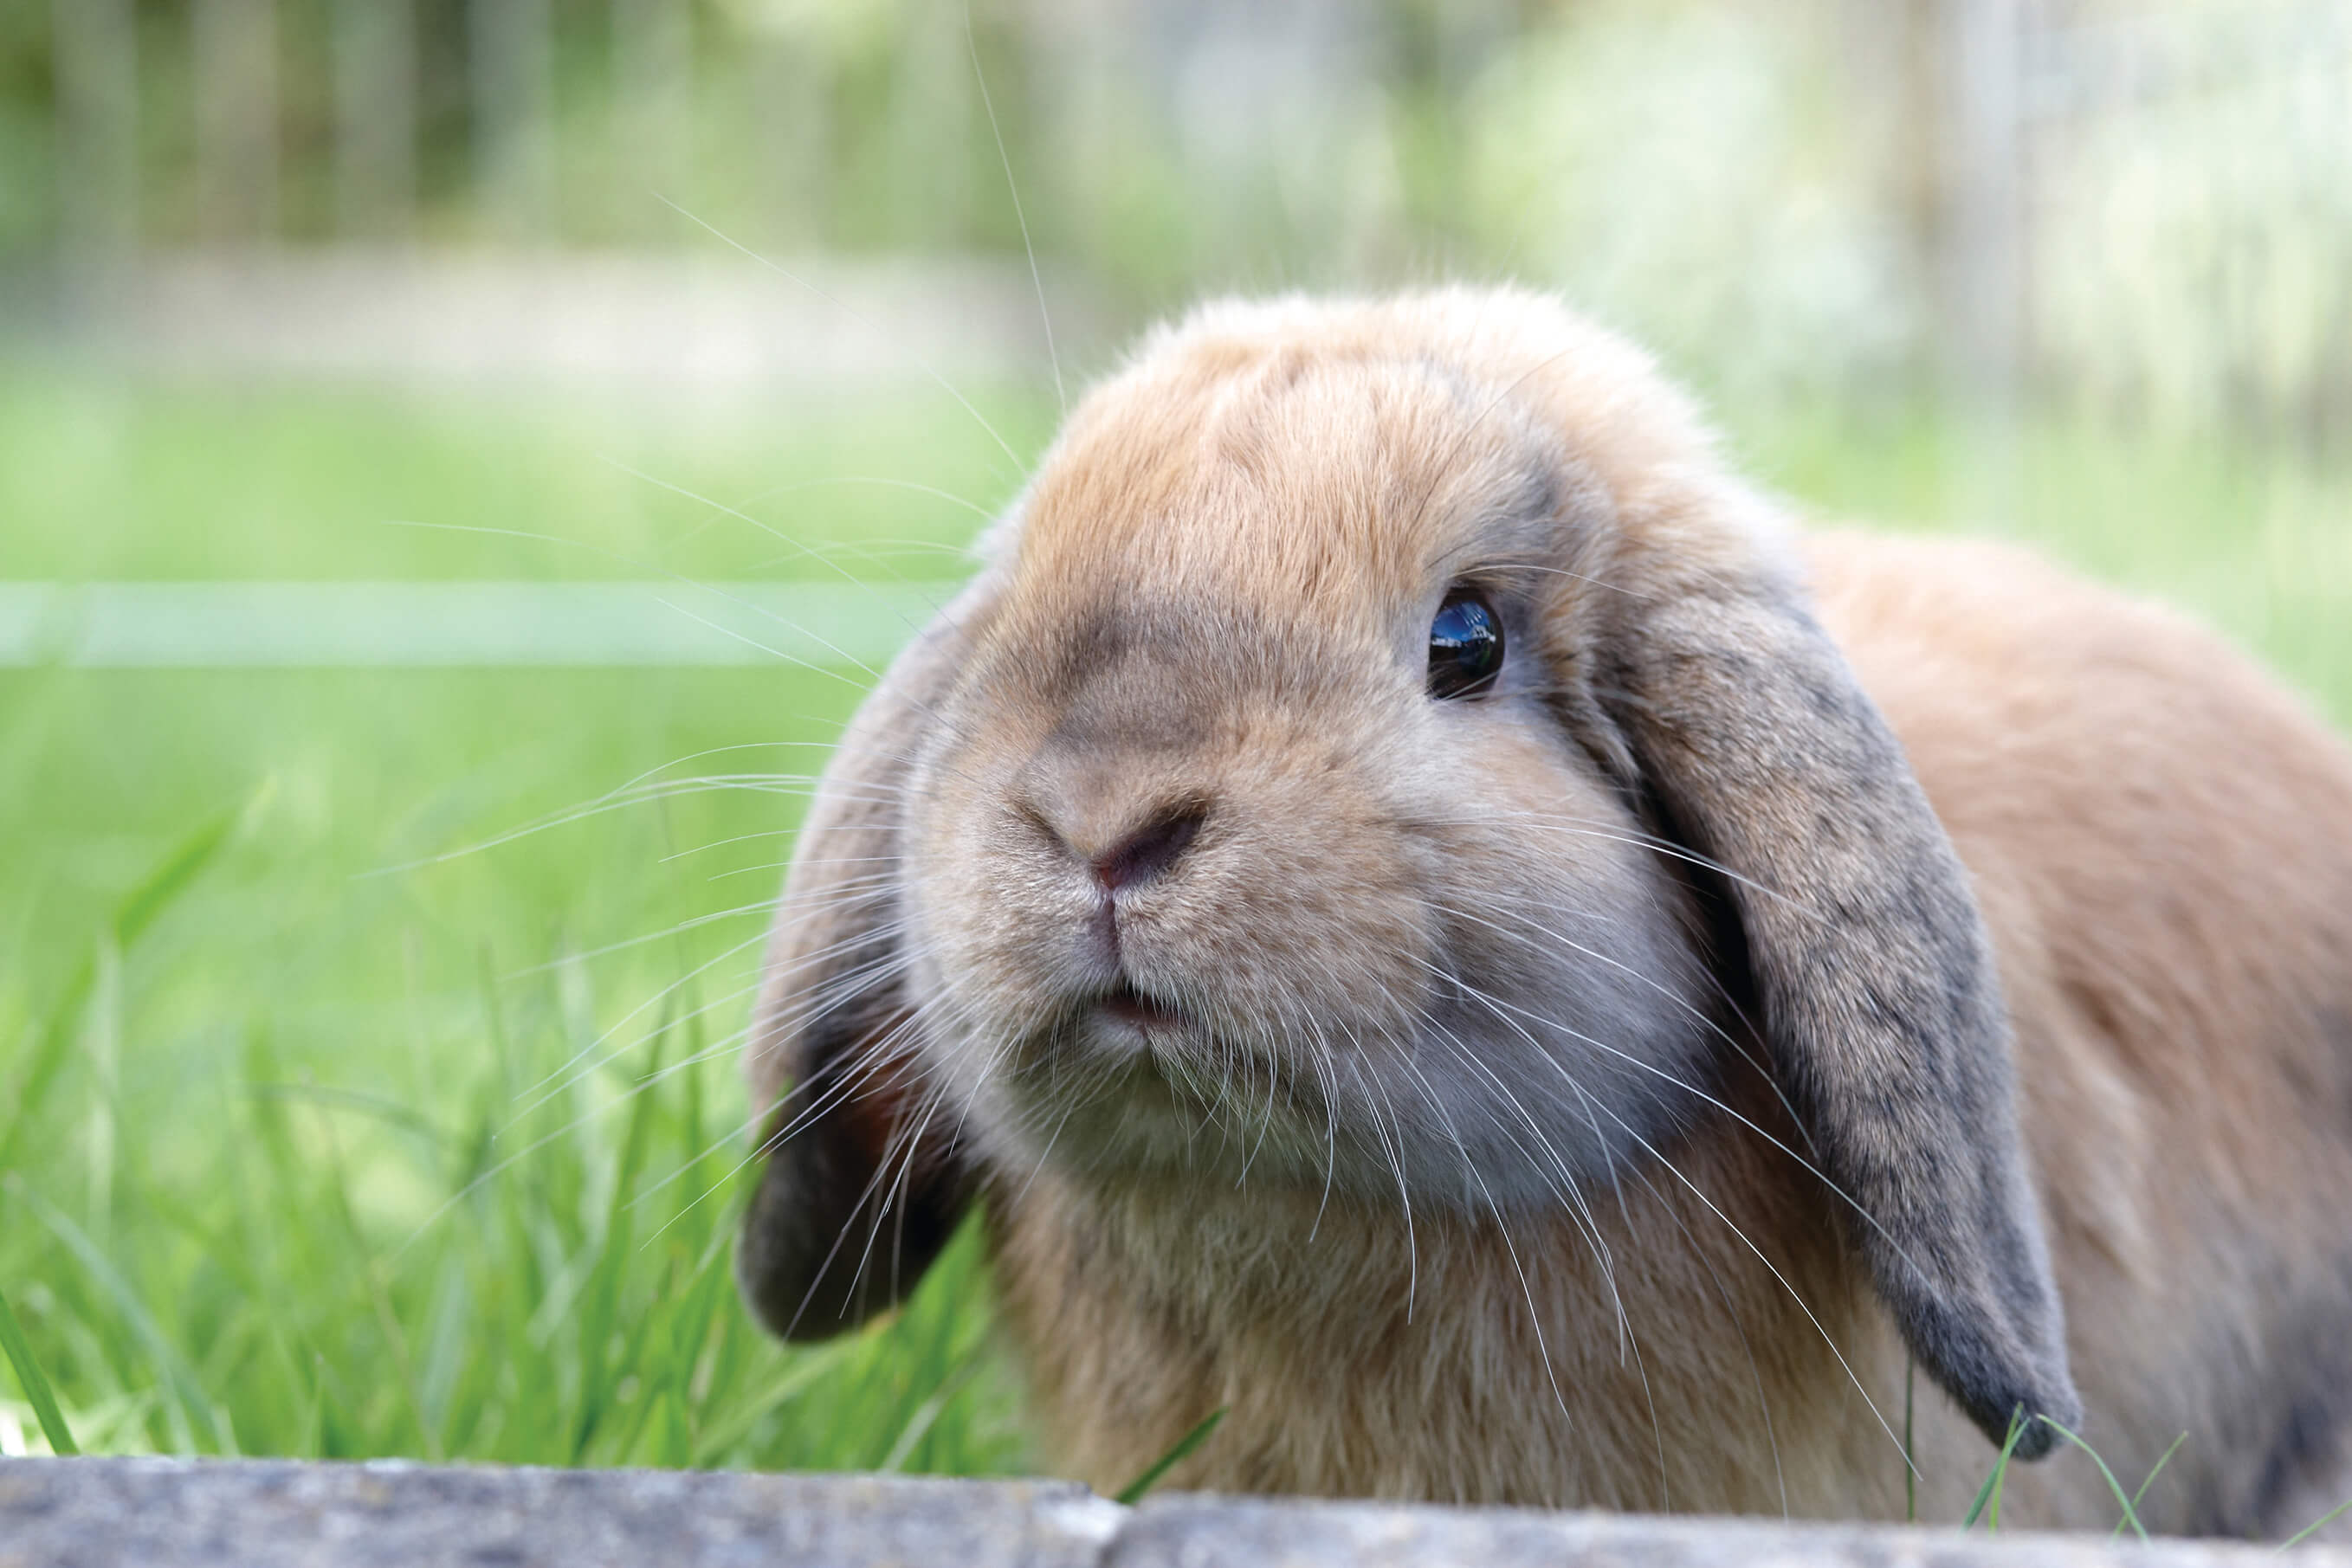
{"x": 1424, "y": 914}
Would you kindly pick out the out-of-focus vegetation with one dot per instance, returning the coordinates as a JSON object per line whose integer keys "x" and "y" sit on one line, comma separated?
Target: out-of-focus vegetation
{"x": 325, "y": 1134}
{"x": 2144, "y": 205}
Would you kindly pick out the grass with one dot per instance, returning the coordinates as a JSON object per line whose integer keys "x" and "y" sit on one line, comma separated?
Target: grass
{"x": 294, "y": 1156}
{"x": 292, "y": 1162}
{"x": 294, "y": 1185}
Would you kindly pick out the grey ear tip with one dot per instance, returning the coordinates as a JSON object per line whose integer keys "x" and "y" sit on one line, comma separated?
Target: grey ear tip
{"x": 2065, "y": 1410}
{"x": 2034, "y": 1442}
{"x": 2055, "y": 1406}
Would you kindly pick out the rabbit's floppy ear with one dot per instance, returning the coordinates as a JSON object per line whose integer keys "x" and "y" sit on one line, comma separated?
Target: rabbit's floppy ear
{"x": 1873, "y": 972}
{"x": 862, "y": 1185}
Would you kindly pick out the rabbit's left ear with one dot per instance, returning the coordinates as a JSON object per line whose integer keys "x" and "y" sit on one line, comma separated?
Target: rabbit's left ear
{"x": 1873, "y": 972}
{"x": 863, "y": 1182}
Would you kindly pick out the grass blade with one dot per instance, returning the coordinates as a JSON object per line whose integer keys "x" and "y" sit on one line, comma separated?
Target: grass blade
{"x": 1991, "y": 1486}
{"x": 802, "y": 1369}
{"x": 926, "y": 1415}
{"x": 598, "y": 1375}
{"x": 171, "y": 1366}
{"x": 36, "y": 1383}
{"x": 1910, "y": 1459}
{"x": 2316, "y": 1525}
{"x": 1132, "y": 1492}
{"x": 2157, "y": 1469}
{"x": 173, "y": 875}
{"x": 2131, "y": 1515}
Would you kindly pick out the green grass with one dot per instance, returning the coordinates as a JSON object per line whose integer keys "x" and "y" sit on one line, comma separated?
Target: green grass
{"x": 309, "y": 483}
{"x": 278, "y": 1172}
{"x": 290, "y": 1185}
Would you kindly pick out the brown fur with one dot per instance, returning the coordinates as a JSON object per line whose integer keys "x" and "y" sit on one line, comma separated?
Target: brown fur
{"x": 1382, "y": 1233}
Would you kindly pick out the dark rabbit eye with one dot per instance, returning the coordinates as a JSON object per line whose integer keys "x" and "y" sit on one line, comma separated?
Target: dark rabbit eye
{"x": 1465, "y": 647}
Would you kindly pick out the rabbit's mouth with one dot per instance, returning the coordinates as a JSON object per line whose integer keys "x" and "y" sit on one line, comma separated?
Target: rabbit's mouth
{"x": 1123, "y": 1003}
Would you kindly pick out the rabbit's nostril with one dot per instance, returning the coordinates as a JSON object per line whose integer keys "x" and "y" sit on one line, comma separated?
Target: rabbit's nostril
{"x": 1151, "y": 849}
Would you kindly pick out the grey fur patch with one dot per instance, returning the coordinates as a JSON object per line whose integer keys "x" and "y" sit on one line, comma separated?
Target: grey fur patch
{"x": 2300, "y": 1426}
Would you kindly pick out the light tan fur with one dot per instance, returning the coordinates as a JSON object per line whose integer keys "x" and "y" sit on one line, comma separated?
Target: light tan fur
{"x": 1214, "y": 595}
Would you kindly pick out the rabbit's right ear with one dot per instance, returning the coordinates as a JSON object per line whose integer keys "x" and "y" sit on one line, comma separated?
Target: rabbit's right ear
{"x": 862, "y": 1185}
{"x": 1882, "y": 1007}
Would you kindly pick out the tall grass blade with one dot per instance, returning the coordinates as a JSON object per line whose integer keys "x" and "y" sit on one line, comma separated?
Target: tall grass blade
{"x": 34, "y": 1382}
{"x": 2157, "y": 1469}
{"x": 171, "y": 1366}
{"x": 1991, "y": 1487}
{"x": 801, "y": 1370}
{"x": 1910, "y": 1459}
{"x": 171, "y": 876}
{"x": 2316, "y": 1525}
{"x": 597, "y": 1374}
{"x": 926, "y": 1415}
{"x": 1132, "y": 1492}
{"x": 2131, "y": 1515}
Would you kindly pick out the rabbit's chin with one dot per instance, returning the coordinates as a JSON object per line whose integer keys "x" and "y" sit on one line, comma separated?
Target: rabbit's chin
{"x": 1121, "y": 1090}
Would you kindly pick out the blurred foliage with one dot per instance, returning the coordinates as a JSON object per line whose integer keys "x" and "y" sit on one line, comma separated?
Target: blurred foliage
{"x": 323, "y": 1130}
{"x": 1764, "y": 189}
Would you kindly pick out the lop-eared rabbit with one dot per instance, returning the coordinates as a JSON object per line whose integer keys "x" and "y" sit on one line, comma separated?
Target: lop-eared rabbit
{"x": 1422, "y": 913}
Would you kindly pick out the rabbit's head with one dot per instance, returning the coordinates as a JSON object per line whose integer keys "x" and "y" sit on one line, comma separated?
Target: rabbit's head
{"x": 1379, "y": 753}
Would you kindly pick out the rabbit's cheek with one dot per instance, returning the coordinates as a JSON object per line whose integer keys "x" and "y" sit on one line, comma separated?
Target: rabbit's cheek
{"x": 1336, "y": 961}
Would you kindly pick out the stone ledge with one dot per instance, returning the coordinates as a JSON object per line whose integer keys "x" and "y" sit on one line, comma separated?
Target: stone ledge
{"x": 170, "y": 1513}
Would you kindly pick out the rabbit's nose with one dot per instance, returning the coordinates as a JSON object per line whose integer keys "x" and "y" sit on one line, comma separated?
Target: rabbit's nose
{"x": 1123, "y": 842}
{"x": 1151, "y": 849}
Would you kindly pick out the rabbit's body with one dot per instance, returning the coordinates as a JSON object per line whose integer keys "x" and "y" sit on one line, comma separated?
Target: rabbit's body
{"x": 2191, "y": 1123}
{"x": 2161, "y": 841}
{"x": 1399, "y": 893}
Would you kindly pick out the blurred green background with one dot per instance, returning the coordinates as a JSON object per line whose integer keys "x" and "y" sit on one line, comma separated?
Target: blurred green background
{"x": 339, "y": 1116}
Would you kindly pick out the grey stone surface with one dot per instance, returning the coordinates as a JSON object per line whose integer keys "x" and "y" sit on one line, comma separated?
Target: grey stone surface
{"x": 166, "y": 1513}
{"x": 162, "y": 1514}
{"x": 1201, "y": 1532}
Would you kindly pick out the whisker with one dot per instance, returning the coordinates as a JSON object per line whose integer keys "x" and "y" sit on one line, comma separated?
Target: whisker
{"x": 534, "y": 1096}
{"x": 1617, "y": 832}
{"x": 1503, "y": 1231}
{"x": 1738, "y": 1326}
{"x": 858, "y": 316}
{"x": 1676, "y": 1171}
{"x": 762, "y": 975}
{"x": 1012, "y": 189}
{"x": 635, "y": 794}
{"x": 1396, "y": 1160}
{"x": 863, "y": 545}
{"x": 691, "y": 922}
{"x": 1659, "y": 1072}
{"x": 854, "y": 1085}
{"x": 725, "y": 510}
{"x": 1762, "y": 1069}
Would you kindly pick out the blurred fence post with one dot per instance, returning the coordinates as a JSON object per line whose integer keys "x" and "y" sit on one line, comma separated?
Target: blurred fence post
{"x": 653, "y": 88}
{"x": 1981, "y": 312}
{"x": 97, "y": 163}
{"x": 375, "y": 88}
{"x": 510, "y": 65}
{"x": 234, "y": 45}
{"x": 793, "y": 82}
{"x": 932, "y": 112}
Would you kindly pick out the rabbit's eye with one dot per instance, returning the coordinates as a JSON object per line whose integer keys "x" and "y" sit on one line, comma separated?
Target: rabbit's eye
{"x": 1465, "y": 645}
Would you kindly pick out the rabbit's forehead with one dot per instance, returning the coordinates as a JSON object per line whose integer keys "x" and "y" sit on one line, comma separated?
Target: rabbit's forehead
{"x": 1342, "y": 492}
